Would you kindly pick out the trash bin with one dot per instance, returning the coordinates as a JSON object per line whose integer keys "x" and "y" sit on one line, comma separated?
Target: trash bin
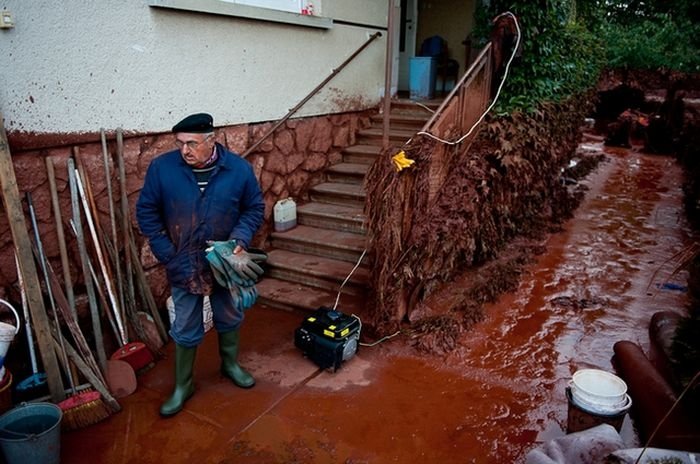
{"x": 421, "y": 77}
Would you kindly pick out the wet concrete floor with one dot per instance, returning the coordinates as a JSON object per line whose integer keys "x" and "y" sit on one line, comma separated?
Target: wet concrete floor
{"x": 497, "y": 396}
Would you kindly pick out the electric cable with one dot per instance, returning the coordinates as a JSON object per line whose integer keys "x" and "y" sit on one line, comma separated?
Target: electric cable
{"x": 425, "y": 107}
{"x": 337, "y": 299}
{"x": 348, "y": 278}
{"x": 456, "y": 142}
{"x": 495, "y": 98}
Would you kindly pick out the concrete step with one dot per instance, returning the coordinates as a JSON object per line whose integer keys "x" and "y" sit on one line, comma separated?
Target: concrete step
{"x": 408, "y": 121}
{"x": 287, "y": 295}
{"x": 337, "y": 193}
{"x": 327, "y": 243}
{"x": 347, "y": 173}
{"x": 376, "y": 134}
{"x": 415, "y": 107}
{"x": 362, "y": 153}
{"x": 316, "y": 271}
{"x": 330, "y": 216}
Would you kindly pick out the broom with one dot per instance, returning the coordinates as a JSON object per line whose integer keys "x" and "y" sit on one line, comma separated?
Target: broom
{"x": 80, "y": 409}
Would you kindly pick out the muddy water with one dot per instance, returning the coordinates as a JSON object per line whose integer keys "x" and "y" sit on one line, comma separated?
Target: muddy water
{"x": 502, "y": 392}
{"x": 599, "y": 282}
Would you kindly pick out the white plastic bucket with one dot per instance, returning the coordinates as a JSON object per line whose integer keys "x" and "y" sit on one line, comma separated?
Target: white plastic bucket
{"x": 7, "y": 334}
{"x": 285, "y": 215}
{"x": 599, "y": 391}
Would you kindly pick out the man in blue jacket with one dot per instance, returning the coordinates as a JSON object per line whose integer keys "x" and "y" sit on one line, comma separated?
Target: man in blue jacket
{"x": 193, "y": 196}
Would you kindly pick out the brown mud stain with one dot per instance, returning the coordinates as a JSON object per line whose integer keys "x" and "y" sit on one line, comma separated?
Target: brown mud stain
{"x": 501, "y": 392}
{"x": 598, "y": 282}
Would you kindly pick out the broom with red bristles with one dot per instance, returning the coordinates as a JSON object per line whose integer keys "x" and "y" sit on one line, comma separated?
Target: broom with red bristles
{"x": 80, "y": 409}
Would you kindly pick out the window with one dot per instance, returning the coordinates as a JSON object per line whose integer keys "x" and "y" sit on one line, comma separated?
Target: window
{"x": 305, "y": 13}
{"x": 305, "y": 7}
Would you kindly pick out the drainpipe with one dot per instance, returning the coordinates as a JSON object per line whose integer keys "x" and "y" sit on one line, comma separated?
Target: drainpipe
{"x": 387, "y": 74}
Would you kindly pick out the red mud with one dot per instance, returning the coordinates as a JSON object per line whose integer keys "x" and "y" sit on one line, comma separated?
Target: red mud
{"x": 495, "y": 397}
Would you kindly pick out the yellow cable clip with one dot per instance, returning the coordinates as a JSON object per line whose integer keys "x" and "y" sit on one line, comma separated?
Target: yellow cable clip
{"x": 401, "y": 162}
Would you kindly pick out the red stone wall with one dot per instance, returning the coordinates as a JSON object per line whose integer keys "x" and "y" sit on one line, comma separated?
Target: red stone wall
{"x": 287, "y": 164}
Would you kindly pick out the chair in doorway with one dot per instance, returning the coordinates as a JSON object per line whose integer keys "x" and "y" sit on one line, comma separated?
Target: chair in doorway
{"x": 446, "y": 68}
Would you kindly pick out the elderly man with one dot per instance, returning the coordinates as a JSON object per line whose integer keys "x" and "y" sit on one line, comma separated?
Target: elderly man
{"x": 195, "y": 198}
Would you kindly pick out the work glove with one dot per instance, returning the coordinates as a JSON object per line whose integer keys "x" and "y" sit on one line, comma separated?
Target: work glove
{"x": 241, "y": 263}
{"x": 257, "y": 255}
{"x": 249, "y": 295}
{"x": 243, "y": 297}
{"x": 219, "y": 268}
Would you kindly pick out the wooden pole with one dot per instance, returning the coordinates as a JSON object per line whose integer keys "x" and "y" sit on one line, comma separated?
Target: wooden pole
{"x": 388, "y": 71}
{"x": 23, "y": 248}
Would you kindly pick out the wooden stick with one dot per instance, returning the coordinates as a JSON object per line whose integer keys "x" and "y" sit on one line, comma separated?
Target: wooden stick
{"x": 145, "y": 290}
{"x": 23, "y": 248}
{"x": 73, "y": 328}
{"x": 76, "y": 223}
{"x": 102, "y": 262}
{"x": 112, "y": 221}
{"x": 65, "y": 266}
{"x": 97, "y": 384}
{"x": 39, "y": 255}
{"x": 126, "y": 219}
{"x": 101, "y": 297}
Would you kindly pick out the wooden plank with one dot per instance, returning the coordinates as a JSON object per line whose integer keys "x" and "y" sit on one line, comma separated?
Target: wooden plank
{"x": 20, "y": 238}
{"x": 88, "y": 373}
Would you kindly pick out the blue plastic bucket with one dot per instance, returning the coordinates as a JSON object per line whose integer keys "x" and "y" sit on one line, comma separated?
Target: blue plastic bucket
{"x": 421, "y": 77}
{"x": 31, "y": 433}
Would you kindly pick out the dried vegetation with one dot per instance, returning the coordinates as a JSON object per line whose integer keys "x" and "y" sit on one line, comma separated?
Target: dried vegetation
{"x": 507, "y": 184}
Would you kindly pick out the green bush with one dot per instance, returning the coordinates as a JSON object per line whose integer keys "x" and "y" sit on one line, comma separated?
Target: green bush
{"x": 653, "y": 43}
{"x": 560, "y": 57}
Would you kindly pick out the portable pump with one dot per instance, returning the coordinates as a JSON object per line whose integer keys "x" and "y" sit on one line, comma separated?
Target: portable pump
{"x": 328, "y": 337}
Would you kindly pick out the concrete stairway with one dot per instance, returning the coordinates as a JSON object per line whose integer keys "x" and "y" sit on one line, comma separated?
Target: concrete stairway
{"x": 307, "y": 265}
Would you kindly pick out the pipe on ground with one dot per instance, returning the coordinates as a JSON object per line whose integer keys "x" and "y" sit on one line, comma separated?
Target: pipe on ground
{"x": 652, "y": 398}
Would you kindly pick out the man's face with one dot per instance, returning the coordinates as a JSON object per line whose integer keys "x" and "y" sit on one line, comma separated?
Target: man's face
{"x": 196, "y": 149}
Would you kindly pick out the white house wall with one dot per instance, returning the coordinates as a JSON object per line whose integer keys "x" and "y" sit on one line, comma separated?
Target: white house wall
{"x": 76, "y": 66}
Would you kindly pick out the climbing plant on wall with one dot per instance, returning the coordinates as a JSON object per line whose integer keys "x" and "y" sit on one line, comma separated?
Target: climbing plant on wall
{"x": 560, "y": 56}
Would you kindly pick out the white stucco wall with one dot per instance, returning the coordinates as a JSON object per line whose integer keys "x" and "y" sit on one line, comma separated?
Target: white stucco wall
{"x": 79, "y": 65}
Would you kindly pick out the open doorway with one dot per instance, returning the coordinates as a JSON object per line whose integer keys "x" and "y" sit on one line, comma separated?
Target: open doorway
{"x": 408, "y": 26}
{"x": 452, "y": 20}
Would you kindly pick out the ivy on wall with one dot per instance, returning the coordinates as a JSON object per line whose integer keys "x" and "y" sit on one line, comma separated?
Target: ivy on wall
{"x": 560, "y": 56}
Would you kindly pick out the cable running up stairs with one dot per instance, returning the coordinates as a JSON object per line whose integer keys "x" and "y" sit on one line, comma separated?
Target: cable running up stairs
{"x": 307, "y": 265}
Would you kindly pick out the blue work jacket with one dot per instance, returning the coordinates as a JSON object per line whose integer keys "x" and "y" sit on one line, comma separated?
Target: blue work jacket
{"x": 178, "y": 219}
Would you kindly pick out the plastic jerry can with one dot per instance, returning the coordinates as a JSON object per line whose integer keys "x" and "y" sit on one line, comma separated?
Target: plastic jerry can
{"x": 285, "y": 215}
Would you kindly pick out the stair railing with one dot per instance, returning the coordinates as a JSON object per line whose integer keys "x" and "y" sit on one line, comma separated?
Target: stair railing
{"x": 457, "y": 115}
{"x": 310, "y": 95}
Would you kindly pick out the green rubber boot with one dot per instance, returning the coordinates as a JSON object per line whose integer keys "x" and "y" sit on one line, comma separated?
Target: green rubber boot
{"x": 228, "y": 349}
{"x": 184, "y": 385}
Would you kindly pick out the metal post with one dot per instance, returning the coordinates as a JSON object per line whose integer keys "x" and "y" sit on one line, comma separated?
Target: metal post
{"x": 387, "y": 74}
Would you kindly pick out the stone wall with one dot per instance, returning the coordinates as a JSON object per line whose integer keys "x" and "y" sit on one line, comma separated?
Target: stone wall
{"x": 287, "y": 164}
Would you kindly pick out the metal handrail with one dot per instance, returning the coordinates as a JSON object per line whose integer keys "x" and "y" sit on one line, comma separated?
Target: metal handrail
{"x": 311, "y": 94}
{"x": 482, "y": 59}
{"x": 459, "y": 113}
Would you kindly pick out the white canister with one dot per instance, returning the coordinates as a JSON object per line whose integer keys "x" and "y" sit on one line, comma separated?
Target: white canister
{"x": 285, "y": 215}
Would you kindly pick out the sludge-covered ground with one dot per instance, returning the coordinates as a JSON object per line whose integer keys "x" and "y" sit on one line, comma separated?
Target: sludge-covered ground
{"x": 497, "y": 395}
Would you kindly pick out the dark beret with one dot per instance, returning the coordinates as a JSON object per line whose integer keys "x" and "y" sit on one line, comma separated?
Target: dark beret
{"x": 200, "y": 123}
